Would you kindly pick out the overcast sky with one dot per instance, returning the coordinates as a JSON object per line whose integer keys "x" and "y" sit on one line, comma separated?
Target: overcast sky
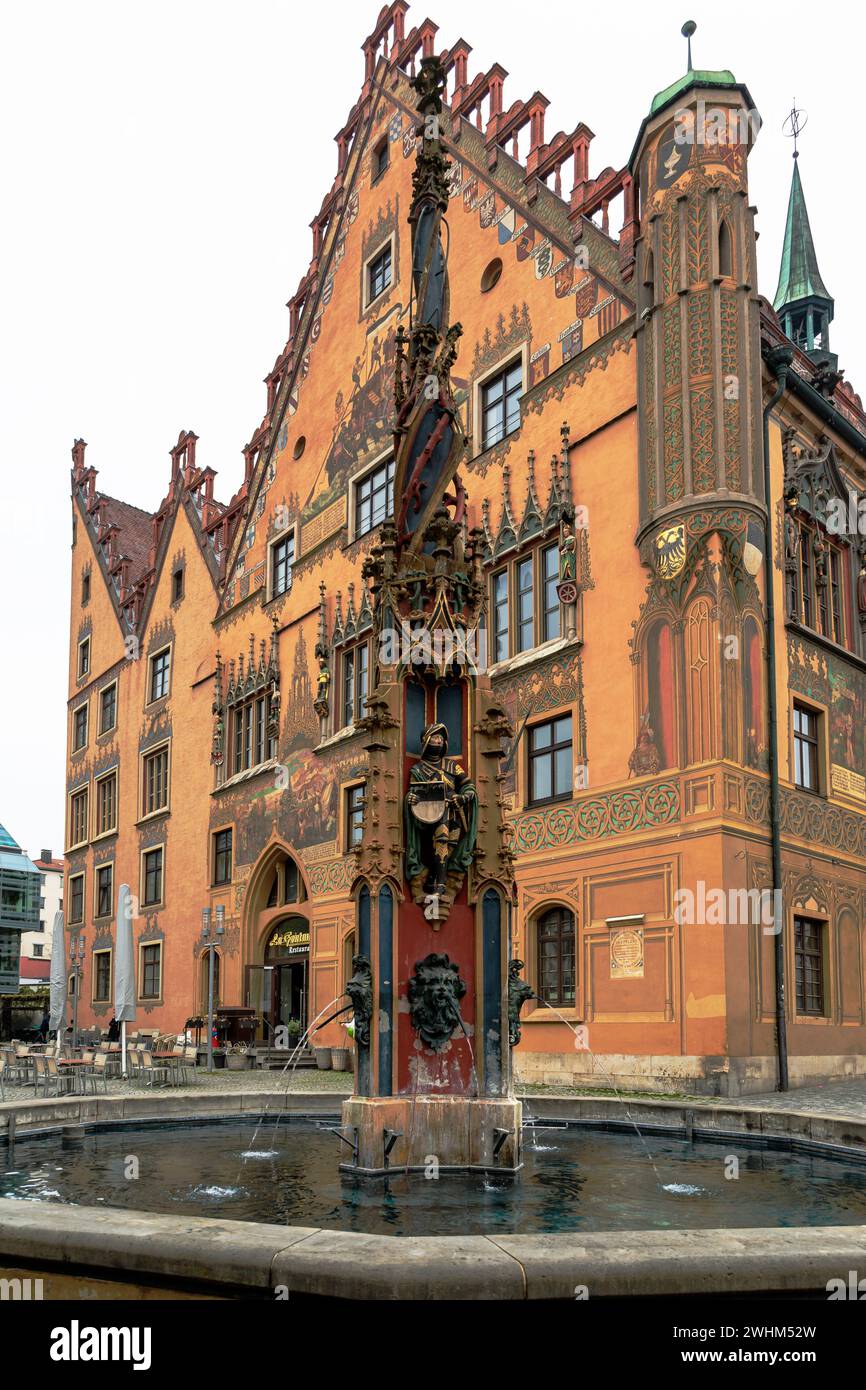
{"x": 161, "y": 165}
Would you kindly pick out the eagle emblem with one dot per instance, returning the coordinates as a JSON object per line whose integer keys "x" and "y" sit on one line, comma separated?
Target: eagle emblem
{"x": 670, "y": 550}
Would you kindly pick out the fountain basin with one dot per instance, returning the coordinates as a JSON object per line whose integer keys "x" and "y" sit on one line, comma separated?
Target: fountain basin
{"x": 162, "y": 1254}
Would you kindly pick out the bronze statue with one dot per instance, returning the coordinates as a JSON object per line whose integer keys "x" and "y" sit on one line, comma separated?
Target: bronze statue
{"x": 435, "y": 991}
{"x": 360, "y": 991}
{"x": 441, "y": 822}
{"x": 518, "y": 993}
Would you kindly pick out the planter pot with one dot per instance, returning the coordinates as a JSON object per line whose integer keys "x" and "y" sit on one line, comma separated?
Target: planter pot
{"x": 323, "y": 1058}
{"x": 238, "y": 1061}
{"x": 341, "y": 1059}
{"x": 219, "y": 1060}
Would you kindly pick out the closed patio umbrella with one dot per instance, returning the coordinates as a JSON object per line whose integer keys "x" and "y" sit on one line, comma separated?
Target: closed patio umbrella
{"x": 124, "y": 967}
{"x": 58, "y": 982}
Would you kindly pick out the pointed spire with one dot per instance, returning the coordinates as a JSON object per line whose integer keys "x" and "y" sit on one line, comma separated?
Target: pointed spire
{"x": 802, "y": 300}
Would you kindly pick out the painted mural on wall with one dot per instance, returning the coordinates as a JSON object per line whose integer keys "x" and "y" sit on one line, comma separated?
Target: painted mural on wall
{"x": 831, "y": 681}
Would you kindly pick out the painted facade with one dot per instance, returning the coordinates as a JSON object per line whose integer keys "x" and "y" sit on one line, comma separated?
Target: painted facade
{"x": 615, "y": 358}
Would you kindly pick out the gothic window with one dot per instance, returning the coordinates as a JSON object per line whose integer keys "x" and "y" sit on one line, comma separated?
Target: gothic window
{"x": 556, "y": 941}
{"x": 84, "y": 657}
{"x": 726, "y": 249}
{"x": 287, "y": 886}
{"x": 177, "y": 584}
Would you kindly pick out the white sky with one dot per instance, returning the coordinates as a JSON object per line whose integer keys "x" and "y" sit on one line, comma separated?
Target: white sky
{"x": 161, "y": 165}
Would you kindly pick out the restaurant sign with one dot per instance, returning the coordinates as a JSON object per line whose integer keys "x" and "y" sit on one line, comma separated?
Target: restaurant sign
{"x": 290, "y": 940}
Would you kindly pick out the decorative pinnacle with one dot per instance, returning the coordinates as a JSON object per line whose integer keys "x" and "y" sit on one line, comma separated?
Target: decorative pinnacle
{"x": 687, "y": 30}
{"x": 794, "y": 124}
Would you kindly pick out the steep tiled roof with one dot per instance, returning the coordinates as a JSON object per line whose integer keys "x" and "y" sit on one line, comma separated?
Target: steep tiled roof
{"x": 136, "y": 529}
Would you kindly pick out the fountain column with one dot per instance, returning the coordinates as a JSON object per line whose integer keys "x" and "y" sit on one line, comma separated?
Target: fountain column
{"x": 434, "y": 883}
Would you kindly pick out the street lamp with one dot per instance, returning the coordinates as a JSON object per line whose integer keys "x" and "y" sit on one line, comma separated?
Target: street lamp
{"x": 210, "y": 945}
{"x": 76, "y": 965}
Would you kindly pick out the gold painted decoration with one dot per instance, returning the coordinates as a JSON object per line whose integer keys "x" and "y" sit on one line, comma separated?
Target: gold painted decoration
{"x": 670, "y": 550}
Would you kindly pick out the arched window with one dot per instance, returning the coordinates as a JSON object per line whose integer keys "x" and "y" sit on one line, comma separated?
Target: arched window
{"x": 726, "y": 249}
{"x": 287, "y": 886}
{"x": 556, "y": 957}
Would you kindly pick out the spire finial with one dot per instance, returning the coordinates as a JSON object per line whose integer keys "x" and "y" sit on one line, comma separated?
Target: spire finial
{"x": 794, "y": 123}
{"x": 687, "y": 30}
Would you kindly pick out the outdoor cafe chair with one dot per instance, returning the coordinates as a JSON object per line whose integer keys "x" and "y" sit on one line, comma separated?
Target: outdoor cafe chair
{"x": 151, "y": 1070}
{"x": 96, "y": 1070}
{"x": 53, "y": 1078}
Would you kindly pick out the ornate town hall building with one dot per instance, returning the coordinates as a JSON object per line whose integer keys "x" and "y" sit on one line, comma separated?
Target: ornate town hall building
{"x": 658, "y": 509}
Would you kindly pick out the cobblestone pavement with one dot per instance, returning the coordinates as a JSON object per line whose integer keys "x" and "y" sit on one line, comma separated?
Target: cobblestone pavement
{"x": 843, "y": 1098}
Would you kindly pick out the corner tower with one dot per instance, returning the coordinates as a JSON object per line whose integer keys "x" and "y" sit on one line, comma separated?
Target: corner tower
{"x": 698, "y": 325}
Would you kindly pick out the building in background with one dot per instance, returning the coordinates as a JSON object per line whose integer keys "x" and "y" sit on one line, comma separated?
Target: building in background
{"x": 19, "y": 908}
{"x": 622, "y": 381}
{"x": 36, "y": 944}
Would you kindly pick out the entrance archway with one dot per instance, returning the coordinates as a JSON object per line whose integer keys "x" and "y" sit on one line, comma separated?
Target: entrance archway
{"x": 287, "y": 962}
{"x": 277, "y": 937}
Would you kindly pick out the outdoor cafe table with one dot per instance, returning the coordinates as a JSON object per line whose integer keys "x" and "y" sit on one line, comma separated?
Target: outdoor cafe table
{"x": 73, "y": 1062}
{"x": 172, "y": 1058}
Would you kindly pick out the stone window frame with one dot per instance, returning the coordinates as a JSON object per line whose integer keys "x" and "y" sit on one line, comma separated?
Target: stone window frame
{"x": 109, "y": 774}
{"x": 368, "y": 300}
{"x": 518, "y": 352}
{"x": 152, "y": 657}
{"x": 142, "y": 881}
{"x": 139, "y": 982}
{"x": 71, "y": 878}
{"x": 83, "y": 790}
{"x": 143, "y": 758}
{"x": 84, "y": 705}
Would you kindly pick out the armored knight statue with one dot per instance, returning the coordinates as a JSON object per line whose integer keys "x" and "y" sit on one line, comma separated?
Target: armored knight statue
{"x": 441, "y": 824}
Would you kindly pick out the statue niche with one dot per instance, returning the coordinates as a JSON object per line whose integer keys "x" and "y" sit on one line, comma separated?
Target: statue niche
{"x": 441, "y": 825}
{"x": 435, "y": 991}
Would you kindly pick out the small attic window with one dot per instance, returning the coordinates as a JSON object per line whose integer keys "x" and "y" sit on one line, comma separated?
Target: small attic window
{"x": 85, "y": 588}
{"x": 381, "y": 159}
{"x": 177, "y": 583}
{"x": 726, "y": 250}
{"x": 492, "y": 275}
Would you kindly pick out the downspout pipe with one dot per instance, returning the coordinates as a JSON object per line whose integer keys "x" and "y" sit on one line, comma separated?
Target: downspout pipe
{"x": 779, "y": 362}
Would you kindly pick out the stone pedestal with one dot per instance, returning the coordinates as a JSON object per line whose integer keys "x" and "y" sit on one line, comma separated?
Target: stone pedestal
{"x": 457, "y": 1132}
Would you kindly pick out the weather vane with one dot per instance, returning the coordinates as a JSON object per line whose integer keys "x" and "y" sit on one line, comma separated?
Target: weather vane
{"x": 687, "y": 30}
{"x": 794, "y": 123}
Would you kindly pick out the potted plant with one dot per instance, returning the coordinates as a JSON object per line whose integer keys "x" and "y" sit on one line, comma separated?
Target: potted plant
{"x": 238, "y": 1057}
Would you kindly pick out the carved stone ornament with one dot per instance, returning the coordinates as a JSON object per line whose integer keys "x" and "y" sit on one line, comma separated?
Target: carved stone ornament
{"x": 435, "y": 991}
{"x": 518, "y": 994}
{"x": 360, "y": 991}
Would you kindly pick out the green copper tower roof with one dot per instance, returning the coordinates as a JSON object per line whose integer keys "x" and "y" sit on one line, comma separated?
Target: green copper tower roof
{"x": 701, "y": 77}
{"x": 799, "y": 276}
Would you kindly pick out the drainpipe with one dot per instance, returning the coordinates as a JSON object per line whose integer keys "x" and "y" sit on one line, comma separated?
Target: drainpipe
{"x": 779, "y": 361}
